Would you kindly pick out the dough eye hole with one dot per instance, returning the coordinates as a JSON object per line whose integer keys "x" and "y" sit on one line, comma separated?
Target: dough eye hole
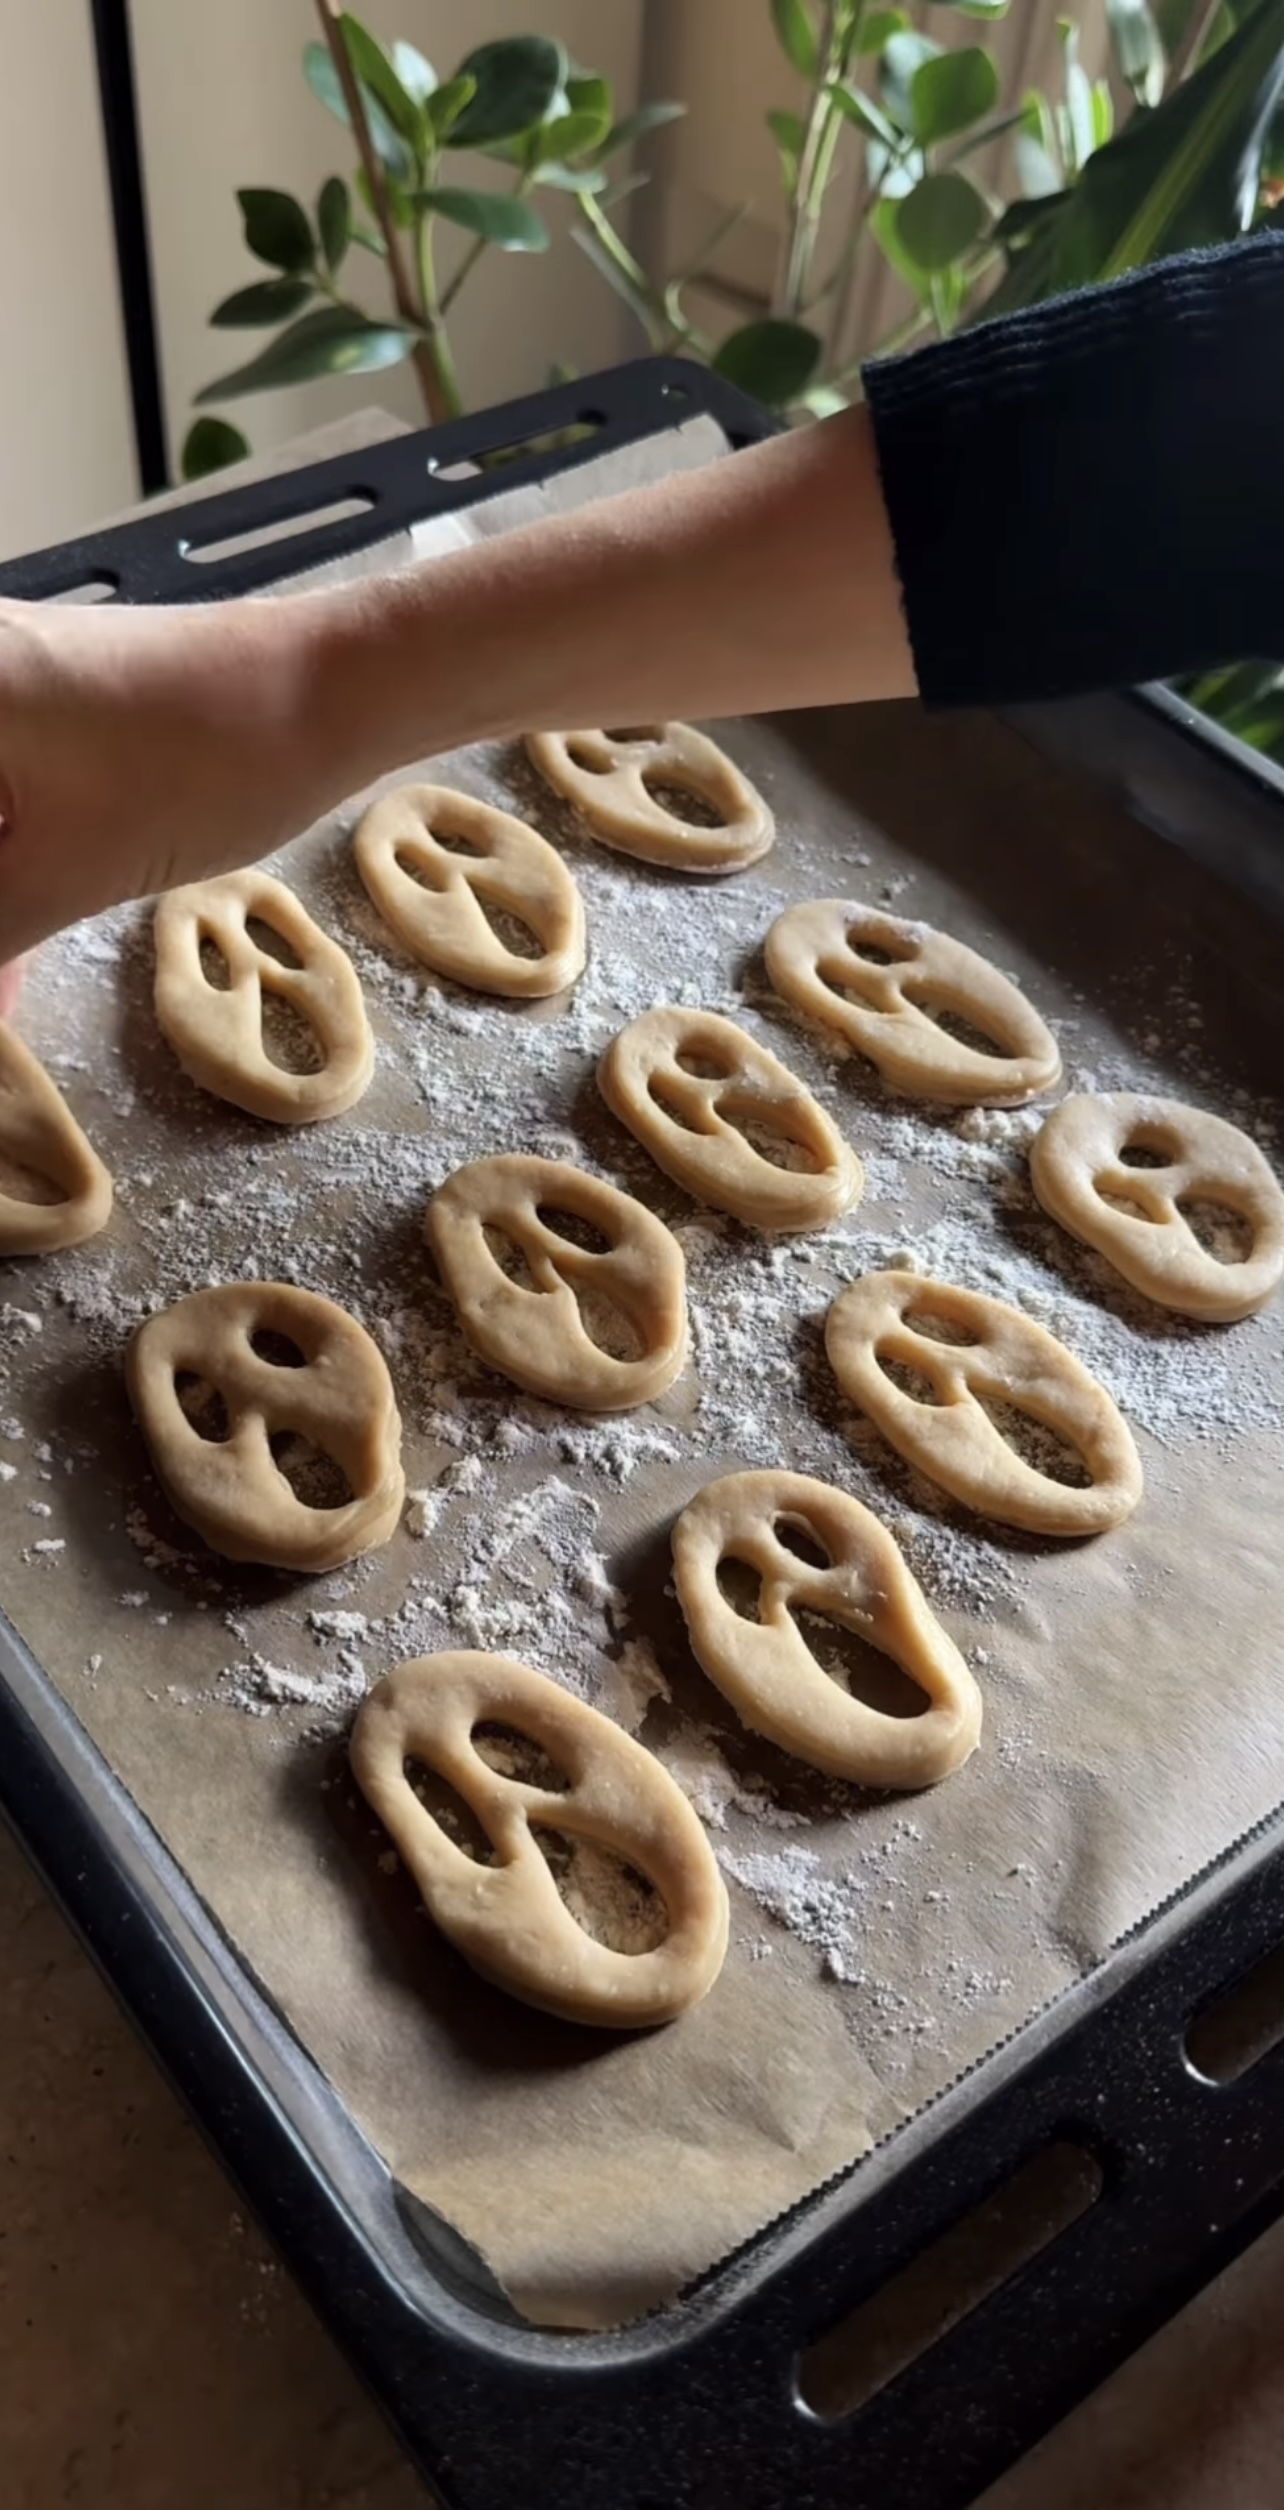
{"x": 877, "y": 953}
{"x": 590, "y": 760}
{"x": 1221, "y": 1231}
{"x": 421, "y": 868}
{"x": 778, "y": 1148}
{"x": 289, "y": 1038}
{"x": 512, "y": 1754}
{"x": 740, "y": 1586}
{"x": 955, "y": 1025}
{"x": 576, "y": 1230}
{"x": 609, "y": 1326}
{"x": 666, "y": 1099}
{"x": 1044, "y": 1449}
{"x": 908, "y": 1381}
{"x": 511, "y": 931}
{"x": 509, "y": 1257}
{"x": 934, "y": 1327}
{"x": 272, "y": 943}
{"x": 632, "y": 732}
{"x": 1149, "y": 1150}
{"x": 451, "y": 842}
{"x": 202, "y": 1407}
{"x": 682, "y": 801}
{"x": 214, "y": 967}
{"x": 858, "y": 1668}
{"x": 316, "y": 1480}
{"x": 447, "y": 1807}
{"x": 701, "y": 1064}
{"x": 796, "y": 1535}
{"x": 614, "y": 1904}
{"x": 276, "y": 1348}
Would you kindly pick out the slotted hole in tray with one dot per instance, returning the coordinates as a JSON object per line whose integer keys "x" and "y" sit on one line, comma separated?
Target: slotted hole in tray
{"x": 614, "y": 1903}
{"x": 858, "y": 1668}
{"x": 974, "y": 2259}
{"x": 292, "y": 527}
{"x": 1230, "y": 2037}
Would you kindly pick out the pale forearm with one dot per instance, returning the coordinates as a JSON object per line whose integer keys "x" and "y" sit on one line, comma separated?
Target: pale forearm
{"x": 762, "y": 582}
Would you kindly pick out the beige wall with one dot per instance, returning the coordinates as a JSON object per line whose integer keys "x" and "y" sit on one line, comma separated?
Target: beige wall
{"x": 66, "y": 444}
{"x": 223, "y": 102}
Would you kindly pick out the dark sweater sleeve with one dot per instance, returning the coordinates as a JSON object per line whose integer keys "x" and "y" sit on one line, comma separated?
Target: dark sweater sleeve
{"x": 1090, "y": 492}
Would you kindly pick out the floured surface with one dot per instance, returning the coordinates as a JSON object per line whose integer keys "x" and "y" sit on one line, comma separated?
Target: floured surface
{"x": 1133, "y": 1701}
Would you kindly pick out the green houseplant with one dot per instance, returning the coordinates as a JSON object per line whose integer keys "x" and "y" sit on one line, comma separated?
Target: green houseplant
{"x": 978, "y": 201}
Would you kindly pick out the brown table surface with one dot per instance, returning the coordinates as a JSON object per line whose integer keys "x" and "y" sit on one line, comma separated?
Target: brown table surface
{"x": 152, "y": 2350}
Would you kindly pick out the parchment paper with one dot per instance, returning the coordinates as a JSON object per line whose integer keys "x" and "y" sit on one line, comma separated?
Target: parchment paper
{"x": 1133, "y": 1700}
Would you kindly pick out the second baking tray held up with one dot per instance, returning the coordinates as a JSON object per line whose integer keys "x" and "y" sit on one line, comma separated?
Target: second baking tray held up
{"x": 883, "y": 1950}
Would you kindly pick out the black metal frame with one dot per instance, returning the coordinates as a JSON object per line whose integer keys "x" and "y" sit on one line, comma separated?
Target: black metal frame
{"x": 118, "y": 102}
{"x": 698, "y": 2407}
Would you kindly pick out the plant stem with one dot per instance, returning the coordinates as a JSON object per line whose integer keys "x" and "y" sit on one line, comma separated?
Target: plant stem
{"x": 467, "y": 265}
{"x": 814, "y": 163}
{"x": 431, "y": 356}
{"x": 1186, "y": 56}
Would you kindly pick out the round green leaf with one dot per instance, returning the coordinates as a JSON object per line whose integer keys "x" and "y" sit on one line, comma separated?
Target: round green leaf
{"x": 796, "y": 34}
{"x": 867, "y": 116}
{"x": 336, "y": 340}
{"x": 939, "y": 220}
{"x": 499, "y": 216}
{"x": 326, "y": 86}
{"x": 590, "y": 94}
{"x": 952, "y": 92}
{"x": 775, "y": 361}
{"x": 444, "y": 108}
{"x": 417, "y": 76}
{"x": 878, "y": 28}
{"x": 268, "y": 301}
{"x": 571, "y": 178}
{"x": 210, "y": 444}
{"x": 376, "y": 72}
{"x": 334, "y": 220}
{"x": 516, "y": 81}
{"x": 571, "y": 135}
{"x": 277, "y": 229}
{"x": 903, "y": 57}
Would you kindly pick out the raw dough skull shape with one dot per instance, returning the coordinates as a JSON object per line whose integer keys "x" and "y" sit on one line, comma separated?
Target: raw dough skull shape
{"x": 609, "y": 776}
{"x": 537, "y": 1335}
{"x": 765, "y": 1667}
{"x": 694, "y": 1089}
{"x": 877, "y": 980}
{"x": 507, "y": 1918}
{"x": 217, "y": 1033}
{"x": 40, "y": 1137}
{"x": 338, "y": 1397}
{"x": 506, "y": 865}
{"x": 994, "y": 1355}
{"x": 1080, "y": 1172}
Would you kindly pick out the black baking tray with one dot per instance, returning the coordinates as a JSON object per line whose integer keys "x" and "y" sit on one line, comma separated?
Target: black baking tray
{"x": 704, "y": 2405}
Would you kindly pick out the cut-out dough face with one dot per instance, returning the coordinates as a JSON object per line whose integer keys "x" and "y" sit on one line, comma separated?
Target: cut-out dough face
{"x": 994, "y": 1356}
{"x": 40, "y": 1138}
{"x": 878, "y": 980}
{"x": 325, "y": 1385}
{"x": 1080, "y": 1168}
{"x": 535, "y": 1329}
{"x": 507, "y": 1917}
{"x": 217, "y": 1029}
{"x": 712, "y": 1106}
{"x": 853, "y": 1574}
{"x": 433, "y": 860}
{"x": 615, "y": 779}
